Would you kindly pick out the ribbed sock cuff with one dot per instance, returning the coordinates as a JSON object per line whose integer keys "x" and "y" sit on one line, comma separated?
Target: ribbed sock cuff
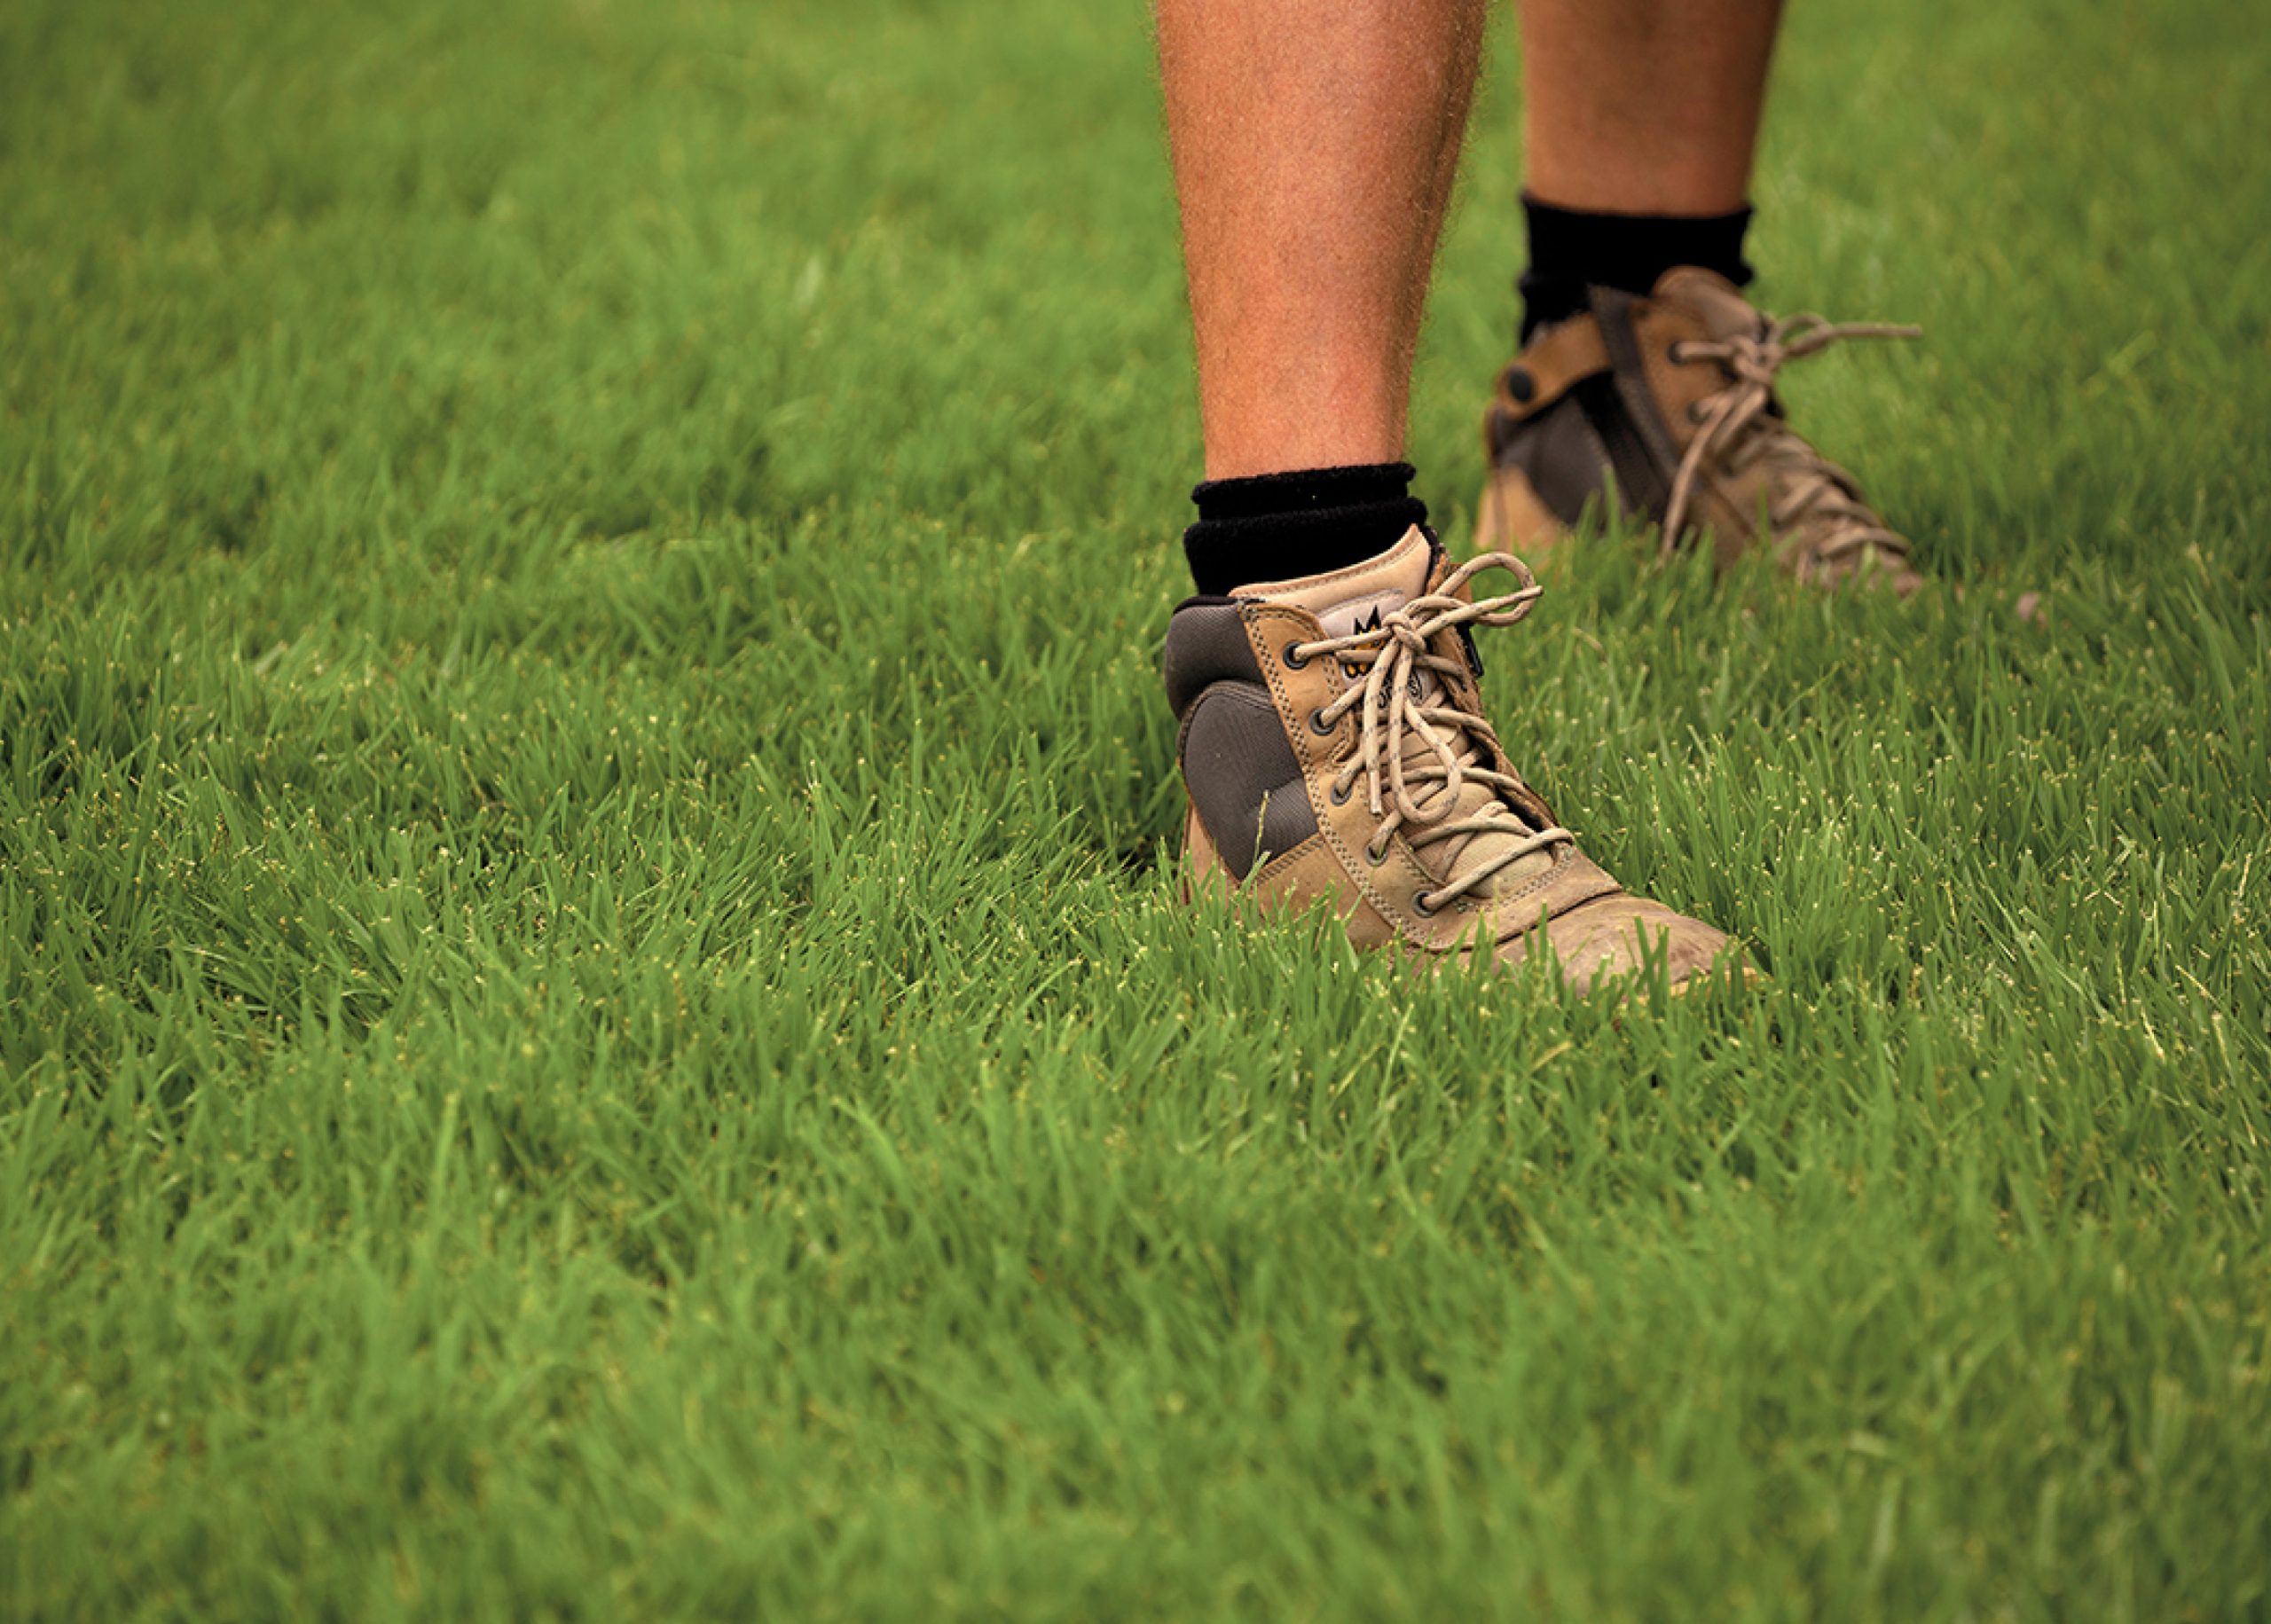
{"x": 1273, "y": 526}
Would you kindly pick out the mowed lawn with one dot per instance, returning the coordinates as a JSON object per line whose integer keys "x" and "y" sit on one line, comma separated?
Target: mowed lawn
{"x": 595, "y": 1019}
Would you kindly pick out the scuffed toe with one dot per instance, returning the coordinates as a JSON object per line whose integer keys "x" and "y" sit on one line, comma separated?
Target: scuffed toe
{"x": 1606, "y": 942}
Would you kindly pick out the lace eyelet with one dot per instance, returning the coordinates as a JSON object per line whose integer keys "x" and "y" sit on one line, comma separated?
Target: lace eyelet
{"x": 1676, "y": 352}
{"x": 1374, "y": 856}
{"x": 1294, "y": 660}
{"x": 1422, "y": 907}
{"x": 1695, "y": 411}
{"x": 1318, "y": 726}
{"x": 1340, "y": 793}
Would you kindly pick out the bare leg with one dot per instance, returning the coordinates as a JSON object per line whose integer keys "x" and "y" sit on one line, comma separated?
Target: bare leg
{"x": 1644, "y": 106}
{"x": 1314, "y": 142}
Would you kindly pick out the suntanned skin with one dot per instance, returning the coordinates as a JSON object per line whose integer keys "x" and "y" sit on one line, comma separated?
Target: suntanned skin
{"x": 1314, "y": 142}
{"x": 1644, "y": 106}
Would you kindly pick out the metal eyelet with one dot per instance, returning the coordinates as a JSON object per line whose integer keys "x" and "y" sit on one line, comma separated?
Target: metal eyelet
{"x": 1422, "y": 907}
{"x": 1676, "y": 352}
{"x": 1340, "y": 793}
{"x": 1318, "y": 726}
{"x": 1374, "y": 856}
{"x": 1294, "y": 661}
{"x": 1695, "y": 411}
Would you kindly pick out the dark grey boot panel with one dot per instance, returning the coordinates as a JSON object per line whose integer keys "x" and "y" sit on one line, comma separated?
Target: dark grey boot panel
{"x": 1244, "y": 779}
{"x": 1205, "y": 645}
{"x": 1562, "y": 455}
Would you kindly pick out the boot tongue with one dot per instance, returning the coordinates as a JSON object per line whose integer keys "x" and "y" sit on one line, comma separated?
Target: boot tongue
{"x": 1354, "y": 600}
{"x": 1712, "y": 300}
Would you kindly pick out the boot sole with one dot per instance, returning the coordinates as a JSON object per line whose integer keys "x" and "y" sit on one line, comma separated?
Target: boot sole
{"x": 1203, "y": 871}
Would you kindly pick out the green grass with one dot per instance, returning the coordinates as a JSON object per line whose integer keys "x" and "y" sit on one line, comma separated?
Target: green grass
{"x": 596, "y": 1023}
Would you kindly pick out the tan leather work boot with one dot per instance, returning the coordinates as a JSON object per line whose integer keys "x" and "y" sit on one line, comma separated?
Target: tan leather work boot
{"x": 1665, "y": 407}
{"x": 1333, "y": 743}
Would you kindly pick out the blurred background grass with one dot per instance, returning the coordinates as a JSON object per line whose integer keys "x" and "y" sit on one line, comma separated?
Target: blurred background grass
{"x": 592, "y": 1025}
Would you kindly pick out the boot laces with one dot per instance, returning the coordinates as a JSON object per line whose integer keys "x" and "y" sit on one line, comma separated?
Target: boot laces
{"x": 1741, "y": 421}
{"x": 1405, "y": 700}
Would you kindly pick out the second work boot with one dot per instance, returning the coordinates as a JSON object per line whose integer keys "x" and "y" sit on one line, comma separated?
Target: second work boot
{"x": 1662, "y": 408}
{"x": 1334, "y": 747}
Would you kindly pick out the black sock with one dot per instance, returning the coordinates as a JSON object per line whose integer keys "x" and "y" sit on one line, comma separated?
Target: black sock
{"x": 1272, "y": 527}
{"x": 1570, "y": 251}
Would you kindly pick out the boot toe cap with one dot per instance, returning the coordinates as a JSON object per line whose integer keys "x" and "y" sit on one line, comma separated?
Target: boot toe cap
{"x": 1603, "y": 943}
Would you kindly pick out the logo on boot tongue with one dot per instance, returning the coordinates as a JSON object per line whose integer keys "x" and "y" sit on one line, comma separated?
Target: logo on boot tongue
{"x": 1358, "y": 626}
{"x": 1360, "y": 614}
